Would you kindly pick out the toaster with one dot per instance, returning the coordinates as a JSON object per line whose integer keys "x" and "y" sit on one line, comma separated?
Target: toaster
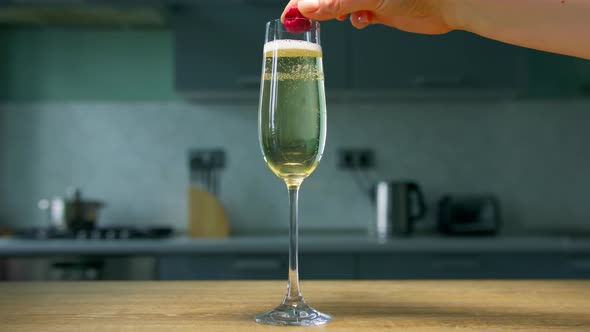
{"x": 469, "y": 214}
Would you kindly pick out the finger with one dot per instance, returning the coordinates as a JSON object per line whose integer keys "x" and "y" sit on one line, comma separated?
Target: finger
{"x": 341, "y": 18}
{"x": 360, "y": 19}
{"x": 329, "y": 9}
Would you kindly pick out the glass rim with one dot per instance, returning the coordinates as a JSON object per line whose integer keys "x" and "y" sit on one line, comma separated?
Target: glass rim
{"x": 314, "y": 24}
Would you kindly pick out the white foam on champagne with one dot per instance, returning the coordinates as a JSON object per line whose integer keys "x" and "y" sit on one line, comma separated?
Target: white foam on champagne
{"x": 291, "y": 44}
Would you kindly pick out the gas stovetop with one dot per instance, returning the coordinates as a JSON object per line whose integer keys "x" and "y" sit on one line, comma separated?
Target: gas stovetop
{"x": 100, "y": 233}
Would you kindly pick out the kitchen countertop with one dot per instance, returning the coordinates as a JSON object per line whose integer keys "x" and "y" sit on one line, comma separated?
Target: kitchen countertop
{"x": 415, "y": 306}
{"x": 308, "y": 244}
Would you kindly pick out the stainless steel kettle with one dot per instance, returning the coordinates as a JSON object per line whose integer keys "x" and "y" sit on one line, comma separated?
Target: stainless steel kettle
{"x": 397, "y": 205}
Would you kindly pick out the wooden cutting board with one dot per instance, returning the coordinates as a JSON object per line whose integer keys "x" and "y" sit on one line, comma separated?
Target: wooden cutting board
{"x": 230, "y": 306}
{"x": 207, "y": 217}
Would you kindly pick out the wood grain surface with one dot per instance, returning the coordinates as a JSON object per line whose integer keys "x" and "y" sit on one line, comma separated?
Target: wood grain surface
{"x": 356, "y": 305}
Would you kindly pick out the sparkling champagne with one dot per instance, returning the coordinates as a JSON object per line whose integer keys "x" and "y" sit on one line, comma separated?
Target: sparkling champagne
{"x": 292, "y": 108}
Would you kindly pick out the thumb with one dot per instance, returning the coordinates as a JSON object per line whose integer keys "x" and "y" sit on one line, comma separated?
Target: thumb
{"x": 329, "y": 9}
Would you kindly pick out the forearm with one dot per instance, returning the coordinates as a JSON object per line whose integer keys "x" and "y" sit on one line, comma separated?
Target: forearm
{"x": 560, "y": 26}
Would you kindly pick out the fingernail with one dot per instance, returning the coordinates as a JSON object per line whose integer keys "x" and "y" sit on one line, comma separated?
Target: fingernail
{"x": 362, "y": 18}
{"x": 308, "y": 5}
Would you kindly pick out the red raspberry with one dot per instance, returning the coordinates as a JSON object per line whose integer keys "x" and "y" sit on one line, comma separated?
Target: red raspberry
{"x": 295, "y": 22}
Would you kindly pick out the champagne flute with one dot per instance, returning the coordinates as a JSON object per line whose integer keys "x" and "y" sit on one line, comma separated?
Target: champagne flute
{"x": 292, "y": 133}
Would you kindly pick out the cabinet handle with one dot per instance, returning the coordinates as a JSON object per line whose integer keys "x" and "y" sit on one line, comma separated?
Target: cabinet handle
{"x": 248, "y": 81}
{"x": 257, "y": 264}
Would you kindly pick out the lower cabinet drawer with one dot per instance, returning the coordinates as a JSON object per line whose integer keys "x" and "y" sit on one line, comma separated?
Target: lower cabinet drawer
{"x": 451, "y": 266}
{"x": 223, "y": 267}
{"x": 578, "y": 267}
{"x": 254, "y": 267}
{"x": 331, "y": 267}
{"x": 374, "y": 266}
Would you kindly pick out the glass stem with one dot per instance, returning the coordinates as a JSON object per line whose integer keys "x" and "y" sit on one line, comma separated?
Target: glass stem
{"x": 293, "y": 293}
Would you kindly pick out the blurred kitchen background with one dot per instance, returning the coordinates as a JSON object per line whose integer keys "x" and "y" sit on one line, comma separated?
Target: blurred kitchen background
{"x": 133, "y": 103}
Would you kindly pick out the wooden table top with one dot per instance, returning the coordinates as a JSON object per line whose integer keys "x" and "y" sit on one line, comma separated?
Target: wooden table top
{"x": 356, "y": 305}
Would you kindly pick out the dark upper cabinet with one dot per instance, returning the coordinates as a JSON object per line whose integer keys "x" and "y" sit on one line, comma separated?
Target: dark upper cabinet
{"x": 222, "y": 54}
{"x": 217, "y": 53}
{"x": 386, "y": 58}
{"x": 555, "y": 75}
{"x": 337, "y": 58}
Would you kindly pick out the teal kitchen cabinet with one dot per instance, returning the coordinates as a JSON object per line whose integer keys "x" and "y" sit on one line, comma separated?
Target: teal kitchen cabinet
{"x": 53, "y": 63}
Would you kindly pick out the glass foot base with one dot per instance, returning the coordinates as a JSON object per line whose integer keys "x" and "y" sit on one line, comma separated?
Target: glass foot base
{"x": 298, "y": 314}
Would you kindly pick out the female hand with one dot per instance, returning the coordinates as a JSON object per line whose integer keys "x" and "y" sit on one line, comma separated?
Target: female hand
{"x": 421, "y": 16}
